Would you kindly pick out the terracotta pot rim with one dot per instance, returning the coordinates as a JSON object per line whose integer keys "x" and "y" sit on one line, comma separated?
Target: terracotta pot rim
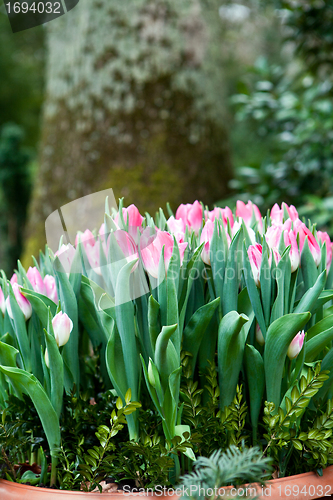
{"x": 299, "y": 478}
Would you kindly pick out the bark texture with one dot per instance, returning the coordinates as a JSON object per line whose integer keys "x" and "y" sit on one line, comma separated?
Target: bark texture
{"x": 134, "y": 102}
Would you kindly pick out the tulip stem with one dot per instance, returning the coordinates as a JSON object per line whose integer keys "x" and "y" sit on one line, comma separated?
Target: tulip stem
{"x": 54, "y": 463}
{"x": 289, "y": 371}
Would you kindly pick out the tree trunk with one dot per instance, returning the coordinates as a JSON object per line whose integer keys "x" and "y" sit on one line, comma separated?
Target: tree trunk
{"x": 134, "y": 102}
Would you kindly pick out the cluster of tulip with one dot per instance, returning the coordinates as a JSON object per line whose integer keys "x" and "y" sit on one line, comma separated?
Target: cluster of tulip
{"x": 236, "y": 289}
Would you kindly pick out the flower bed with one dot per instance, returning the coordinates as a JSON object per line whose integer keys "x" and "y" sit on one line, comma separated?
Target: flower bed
{"x": 154, "y": 341}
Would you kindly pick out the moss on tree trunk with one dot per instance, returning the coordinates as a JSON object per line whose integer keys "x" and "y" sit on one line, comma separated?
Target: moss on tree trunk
{"x": 134, "y": 102}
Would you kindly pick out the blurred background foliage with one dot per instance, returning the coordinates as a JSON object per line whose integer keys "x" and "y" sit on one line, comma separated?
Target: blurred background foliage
{"x": 22, "y": 61}
{"x": 283, "y": 131}
{"x": 277, "y": 61}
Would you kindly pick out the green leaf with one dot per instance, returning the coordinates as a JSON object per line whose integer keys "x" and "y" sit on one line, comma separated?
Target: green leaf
{"x": 279, "y": 335}
{"x": 29, "y": 477}
{"x": 315, "y": 345}
{"x": 218, "y": 253}
{"x": 153, "y": 320}
{"x": 231, "y": 281}
{"x": 68, "y": 302}
{"x": 56, "y": 373}
{"x": 192, "y": 267}
{"x": 283, "y": 275}
{"x": 40, "y": 304}
{"x": 128, "y": 396}
{"x": 180, "y": 430}
{"x": 31, "y": 386}
{"x": 20, "y": 329}
{"x": 231, "y": 343}
{"x": 253, "y": 292}
{"x": 172, "y": 298}
{"x": 91, "y": 294}
{"x": 125, "y": 325}
{"x": 327, "y": 364}
{"x": 196, "y": 329}
{"x": 265, "y": 283}
{"x": 151, "y": 389}
{"x": 309, "y": 300}
{"x": 297, "y": 444}
{"x": 166, "y": 357}
{"x": 255, "y": 374}
{"x": 319, "y": 327}
{"x": 115, "y": 363}
{"x": 308, "y": 266}
{"x": 8, "y": 355}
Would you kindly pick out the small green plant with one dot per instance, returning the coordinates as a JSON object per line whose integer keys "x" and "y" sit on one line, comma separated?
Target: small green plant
{"x": 233, "y": 467}
{"x": 97, "y": 457}
{"x": 285, "y": 435}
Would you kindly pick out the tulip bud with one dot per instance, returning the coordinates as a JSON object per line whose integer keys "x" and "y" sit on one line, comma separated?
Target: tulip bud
{"x": 62, "y": 327}
{"x": 151, "y": 377}
{"x": 246, "y": 212}
{"x": 66, "y": 254}
{"x": 323, "y": 237}
{"x": 191, "y": 214}
{"x": 2, "y": 302}
{"x": 151, "y": 246}
{"x": 51, "y": 288}
{"x": 259, "y": 335}
{"x": 23, "y": 303}
{"x": 46, "y": 358}
{"x": 304, "y": 232}
{"x": 206, "y": 236}
{"x": 13, "y": 279}
{"x": 296, "y": 345}
{"x": 36, "y": 280}
{"x": 255, "y": 257}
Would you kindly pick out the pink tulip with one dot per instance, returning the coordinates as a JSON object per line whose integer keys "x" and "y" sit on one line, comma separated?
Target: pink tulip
{"x": 66, "y": 254}
{"x": 131, "y": 214}
{"x": 295, "y": 258}
{"x": 62, "y": 327}
{"x": 324, "y": 238}
{"x": 273, "y": 237}
{"x": 277, "y": 212}
{"x": 191, "y": 214}
{"x": 86, "y": 238}
{"x": 177, "y": 228}
{"x": 127, "y": 246}
{"x": 2, "y": 302}
{"x": 91, "y": 247}
{"x": 51, "y": 288}
{"x": 93, "y": 255}
{"x": 246, "y": 212}
{"x": 133, "y": 218}
{"x": 222, "y": 213}
{"x": 303, "y": 232}
{"x": 206, "y": 236}
{"x": 151, "y": 249}
{"x": 23, "y": 303}
{"x": 13, "y": 279}
{"x": 36, "y": 280}
{"x": 255, "y": 257}
{"x": 296, "y": 345}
